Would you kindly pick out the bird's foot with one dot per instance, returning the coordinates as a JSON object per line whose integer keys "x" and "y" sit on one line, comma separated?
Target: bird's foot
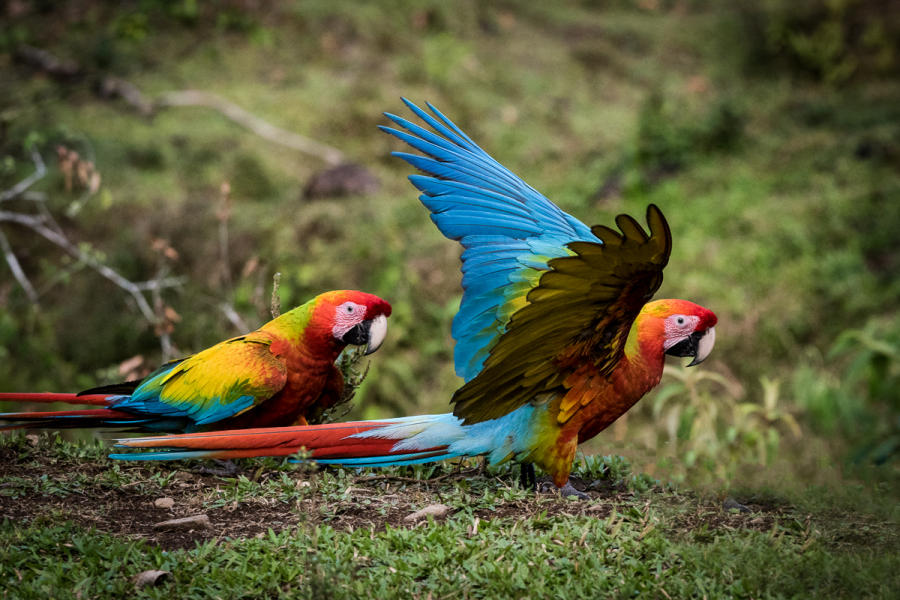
{"x": 527, "y": 478}
{"x": 548, "y": 487}
{"x": 569, "y": 490}
{"x": 225, "y": 468}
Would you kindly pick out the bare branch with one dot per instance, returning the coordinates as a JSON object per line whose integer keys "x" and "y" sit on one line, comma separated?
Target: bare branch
{"x": 162, "y": 330}
{"x": 57, "y": 68}
{"x": 162, "y": 282}
{"x": 71, "y": 72}
{"x": 16, "y": 269}
{"x": 262, "y": 128}
{"x": 113, "y": 86}
{"x": 233, "y": 317}
{"x": 40, "y": 170}
{"x": 38, "y": 225}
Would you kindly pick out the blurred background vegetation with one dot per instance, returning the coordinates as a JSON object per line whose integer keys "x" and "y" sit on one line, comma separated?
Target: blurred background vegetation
{"x": 768, "y": 132}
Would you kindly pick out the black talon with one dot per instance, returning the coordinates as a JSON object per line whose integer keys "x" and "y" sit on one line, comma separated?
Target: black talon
{"x": 569, "y": 490}
{"x": 527, "y": 478}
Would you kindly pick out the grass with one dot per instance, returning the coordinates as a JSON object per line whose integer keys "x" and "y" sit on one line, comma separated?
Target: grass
{"x": 86, "y": 526}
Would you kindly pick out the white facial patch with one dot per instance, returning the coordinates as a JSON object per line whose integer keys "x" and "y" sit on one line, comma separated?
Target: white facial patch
{"x": 346, "y": 316}
{"x": 679, "y": 327}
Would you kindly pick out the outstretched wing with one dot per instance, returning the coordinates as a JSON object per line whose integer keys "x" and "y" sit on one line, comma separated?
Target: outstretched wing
{"x": 510, "y": 232}
{"x": 218, "y": 383}
{"x": 579, "y": 314}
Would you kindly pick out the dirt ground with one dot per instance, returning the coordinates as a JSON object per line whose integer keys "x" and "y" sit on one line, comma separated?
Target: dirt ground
{"x": 130, "y": 509}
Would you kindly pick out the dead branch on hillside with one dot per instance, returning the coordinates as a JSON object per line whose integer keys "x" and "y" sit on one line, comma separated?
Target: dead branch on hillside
{"x": 68, "y": 70}
{"x": 16, "y": 269}
{"x": 262, "y": 128}
{"x": 43, "y": 224}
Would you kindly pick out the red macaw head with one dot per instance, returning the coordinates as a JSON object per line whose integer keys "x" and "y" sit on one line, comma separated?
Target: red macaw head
{"x": 685, "y": 328}
{"x": 356, "y": 318}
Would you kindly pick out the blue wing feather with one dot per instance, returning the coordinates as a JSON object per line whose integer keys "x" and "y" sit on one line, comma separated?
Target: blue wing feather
{"x": 508, "y": 229}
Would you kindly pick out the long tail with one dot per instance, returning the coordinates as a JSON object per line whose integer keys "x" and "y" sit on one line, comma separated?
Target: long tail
{"x": 403, "y": 441}
{"x": 61, "y": 419}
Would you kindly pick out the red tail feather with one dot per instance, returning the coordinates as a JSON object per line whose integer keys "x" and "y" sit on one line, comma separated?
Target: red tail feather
{"x": 312, "y": 437}
{"x": 327, "y": 441}
{"x": 103, "y": 413}
{"x": 92, "y": 399}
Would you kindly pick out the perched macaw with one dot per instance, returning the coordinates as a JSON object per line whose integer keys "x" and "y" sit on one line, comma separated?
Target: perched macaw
{"x": 281, "y": 374}
{"x": 555, "y": 337}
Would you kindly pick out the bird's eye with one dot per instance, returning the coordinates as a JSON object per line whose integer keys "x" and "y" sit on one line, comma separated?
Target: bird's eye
{"x": 680, "y": 320}
{"x": 349, "y": 308}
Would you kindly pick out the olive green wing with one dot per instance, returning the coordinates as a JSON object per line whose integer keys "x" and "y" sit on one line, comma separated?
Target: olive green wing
{"x": 580, "y": 312}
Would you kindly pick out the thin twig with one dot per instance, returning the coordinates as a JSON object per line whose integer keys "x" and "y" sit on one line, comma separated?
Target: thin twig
{"x": 40, "y": 169}
{"x": 16, "y": 269}
{"x": 70, "y": 71}
{"x": 162, "y": 282}
{"x": 37, "y": 224}
{"x": 233, "y": 317}
{"x": 262, "y": 128}
{"x": 165, "y": 338}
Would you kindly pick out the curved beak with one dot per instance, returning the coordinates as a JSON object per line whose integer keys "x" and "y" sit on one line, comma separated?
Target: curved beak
{"x": 371, "y": 333}
{"x": 377, "y": 332}
{"x": 698, "y": 345}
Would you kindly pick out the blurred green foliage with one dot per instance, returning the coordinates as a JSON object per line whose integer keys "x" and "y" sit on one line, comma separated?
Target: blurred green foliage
{"x": 781, "y": 188}
{"x": 832, "y": 41}
{"x": 860, "y": 402}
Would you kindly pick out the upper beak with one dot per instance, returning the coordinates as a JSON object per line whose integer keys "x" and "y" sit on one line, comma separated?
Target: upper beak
{"x": 377, "y": 332}
{"x": 371, "y": 333}
{"x": 699, "y": 345}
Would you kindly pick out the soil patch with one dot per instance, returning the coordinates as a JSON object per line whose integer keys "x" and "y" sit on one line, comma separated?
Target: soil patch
{"x": 34, "y": 488}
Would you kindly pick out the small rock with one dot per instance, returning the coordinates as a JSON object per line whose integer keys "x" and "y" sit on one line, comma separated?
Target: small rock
{"x": 193, "y": 522}
{"x": 732, "y": 504}
{"x": 348, "y": 179}
{"x": 435, "y": 510}
{"x": 164, "y": 503}
{"x": 145, "y": 578}
{"x": 33, "y": 439}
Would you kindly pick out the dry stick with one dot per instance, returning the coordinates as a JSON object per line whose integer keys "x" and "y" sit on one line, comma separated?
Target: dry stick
{"x": 16, "y": 269}
{"x": 114, "y": 86}
{"x": 39, "y": 171}
{"x": 165, "y": 340}
{"x": 264, "y": 129}
{"x": 233, "y": 317}
{"x": 37, "y": 224}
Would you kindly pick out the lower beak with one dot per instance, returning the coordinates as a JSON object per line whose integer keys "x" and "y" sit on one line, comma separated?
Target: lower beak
{"x": 698, "y": 345}
{"x": 371, "y": 333}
